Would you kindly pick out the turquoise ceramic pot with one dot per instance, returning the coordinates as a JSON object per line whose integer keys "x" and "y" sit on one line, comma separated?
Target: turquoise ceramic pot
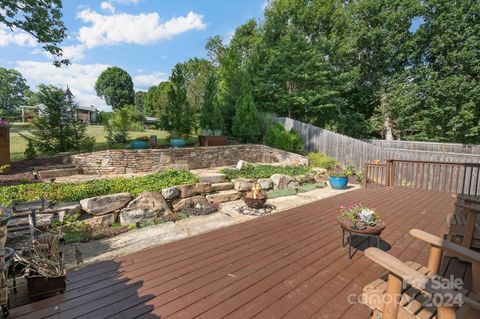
{"x": 178, "y": 142}
{"x": 140, "y": 145}
{"x": 338, "y": 182}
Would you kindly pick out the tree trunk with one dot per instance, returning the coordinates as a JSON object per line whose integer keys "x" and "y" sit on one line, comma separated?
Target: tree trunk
{"x": 387, "y": 123}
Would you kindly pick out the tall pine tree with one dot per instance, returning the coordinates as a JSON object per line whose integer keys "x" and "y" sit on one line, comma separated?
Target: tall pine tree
{"x": 245, "y": 124}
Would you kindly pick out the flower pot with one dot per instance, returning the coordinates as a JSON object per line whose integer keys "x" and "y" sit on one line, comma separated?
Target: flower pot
{"x": 139, "y": 145}
{"x": 338, "y": 182}
{"x": 206, "y": 140}
{"x": 40, "y": 287}
{"x": 178, "y": 142}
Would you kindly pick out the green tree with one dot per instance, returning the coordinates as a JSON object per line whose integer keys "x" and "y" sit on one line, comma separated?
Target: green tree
{"x": 140, "y": 100}
{"x": 245, "y": 124}
{"x": 41, "y": 19}
{"x": 211, "y": 119}
{"x": 156, "y": 99}
{"x": 115, "y": 86}
{"x": 178, "y": 113}
{"x": 13, "y": 89}
{"x": 56, "y": 129}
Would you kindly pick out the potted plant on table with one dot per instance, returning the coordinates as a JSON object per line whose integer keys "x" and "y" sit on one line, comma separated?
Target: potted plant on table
{"x": 140, "y": 143}
{"x": 211, "y": 119}
{"x": 339, "y": 178}
{"x": 360, "y": 218}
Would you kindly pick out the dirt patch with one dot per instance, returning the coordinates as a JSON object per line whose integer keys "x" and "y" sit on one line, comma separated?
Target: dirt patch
{"x": 21, "y": 171}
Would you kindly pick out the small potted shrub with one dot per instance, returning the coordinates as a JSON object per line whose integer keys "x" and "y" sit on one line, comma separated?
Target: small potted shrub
{"x": 256, "y": 198}
{"x": 140, "y": 143}
{"x": 178, "y": 140}
{"x": 339, "y": 178}
{"x": 360, "y": 218}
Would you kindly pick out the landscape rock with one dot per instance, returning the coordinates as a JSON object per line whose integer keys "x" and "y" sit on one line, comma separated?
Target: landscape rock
{"x": 222, "y": 187}
{"x": 102, "y": 205}
{"x": 147, "y": 206}
{"x": 265, "y": 183}
{"x": 170, "y": 193}
{"x": 243, "y": 184}
{"x": 211, "y": 177}
{"x": 282, "y": 181}
{"x": 225, "y": 196}
{"x": 320, "y": 170}
{"x": 65, "y": 209}
{"x": 241, "y": 164}
{"x": 194, "y": 189}
{"x": 104, "y": 220}
{"x": 179, "y": 204}
{"x": 319, "y": 178}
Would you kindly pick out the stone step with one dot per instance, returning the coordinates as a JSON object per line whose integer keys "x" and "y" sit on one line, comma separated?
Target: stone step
{"x": 60, "y": 172}
{"x": 217, "y": 187}
{"x": 211, "y": 177}
{"x": 224, "y": 196}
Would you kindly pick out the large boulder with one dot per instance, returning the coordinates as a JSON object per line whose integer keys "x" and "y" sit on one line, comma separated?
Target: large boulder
{"x": 243, "y": 184}
{"x": 103, "y": 221}
{"x": 190, "y": 190}
{"x": 180, "y": 204}
{"x": 147, "y": 206}
{"x": 170, "y": 193}
{"x": 102, "y": 205}
{"x": 282, "y": 181}
{"x": 265, "y": 183}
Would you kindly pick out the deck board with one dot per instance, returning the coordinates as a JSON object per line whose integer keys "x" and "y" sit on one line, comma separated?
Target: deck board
{"x": 286, "y": 265}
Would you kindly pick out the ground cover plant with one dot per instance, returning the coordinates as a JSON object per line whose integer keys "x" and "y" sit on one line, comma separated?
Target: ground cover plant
{"x": 321, "y": 160}
{"x": 294, "y": 191}
{"x": 264, "y": 171}
{"x": 66, "y": 192}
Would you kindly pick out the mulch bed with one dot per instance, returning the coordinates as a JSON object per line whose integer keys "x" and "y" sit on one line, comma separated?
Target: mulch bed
{"x": 21, "y": 171}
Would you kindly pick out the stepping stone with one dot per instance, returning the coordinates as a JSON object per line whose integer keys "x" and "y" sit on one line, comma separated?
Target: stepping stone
{"x": 211, "y": 177}
{"x": 222, "y": 186}
{"x": 224, "y": 196}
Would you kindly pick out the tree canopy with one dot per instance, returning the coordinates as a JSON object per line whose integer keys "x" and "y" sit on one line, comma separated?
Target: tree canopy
{"x": 41, "y": 19}
{"x": 115, "y": 86}
{"x": 13, "y": 89}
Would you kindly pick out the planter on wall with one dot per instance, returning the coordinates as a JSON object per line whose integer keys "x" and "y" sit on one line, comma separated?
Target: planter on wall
{"x": 338, "y": 182}
{"x": 5, "y": 147}
{"x": 139, "y": 145}
{"x": 206, "y": 140}
{"x": 178, "y": 142}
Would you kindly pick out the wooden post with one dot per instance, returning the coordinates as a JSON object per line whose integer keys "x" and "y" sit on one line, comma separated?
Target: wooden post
{"x": 387, "y": 172}
{"x": 434, "y": 259}
{"x": 5, "y": 147}
{"x": 446, "y": 313}
{"x": 476, "y": 278}
{"x": 392, "y": 296}
{"x": 469, "y": 227}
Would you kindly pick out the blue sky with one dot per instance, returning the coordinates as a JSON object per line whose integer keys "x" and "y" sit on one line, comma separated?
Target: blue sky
{"x": 145, "y": 37}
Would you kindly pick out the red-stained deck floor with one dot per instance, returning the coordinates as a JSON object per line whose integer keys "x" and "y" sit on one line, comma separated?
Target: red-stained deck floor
{"x": 286, "y": 265}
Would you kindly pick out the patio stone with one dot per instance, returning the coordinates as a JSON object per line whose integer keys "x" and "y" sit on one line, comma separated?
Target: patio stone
{"x": 194, "y": 189}
{"x": 243, "y": 184}
{"x": 147, "y": 206}
{"x": 102, "y": 205}
{"x": 225, "y": 196}
{"x": 216, "y": 187}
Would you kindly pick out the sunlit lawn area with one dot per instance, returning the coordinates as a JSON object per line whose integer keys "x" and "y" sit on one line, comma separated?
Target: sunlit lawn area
{"x": 18, "y": 143}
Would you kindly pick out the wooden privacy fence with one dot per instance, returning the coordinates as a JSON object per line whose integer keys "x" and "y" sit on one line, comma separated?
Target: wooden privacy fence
{"x": 429, "y": 146}
{"x": 448, "y": 177}
{"x": 349, "y": 150}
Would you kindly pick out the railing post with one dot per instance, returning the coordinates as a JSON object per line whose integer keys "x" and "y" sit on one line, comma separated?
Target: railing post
{"x": 388, "y": 172}
{"x": 365, "y": 173}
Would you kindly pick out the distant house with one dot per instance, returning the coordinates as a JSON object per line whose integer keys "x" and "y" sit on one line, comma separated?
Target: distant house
{"x": 86, "y": 114}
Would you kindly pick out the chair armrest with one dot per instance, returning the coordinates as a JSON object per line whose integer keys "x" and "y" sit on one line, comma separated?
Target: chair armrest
{"x": 445, "y": 245}
{"x": 469, "y": 199}
{"x": 414, "y": 278}
{"x": 470, "y": 208}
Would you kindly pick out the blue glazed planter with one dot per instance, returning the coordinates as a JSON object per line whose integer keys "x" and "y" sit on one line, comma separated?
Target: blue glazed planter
{"x": 338, "y": 182}
{"x": 178, "y": 142}
{"x": 139, "y": 145}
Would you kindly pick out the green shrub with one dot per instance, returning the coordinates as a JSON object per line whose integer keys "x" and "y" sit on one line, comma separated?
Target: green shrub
{"x": 264, "y": 171}
{"x": 67, "y": 192}
{"x": 87, "y": 143}
{"x": 277, "y": 137}
{"x": 30, "y": 152}
{"x": 321, "y": 160}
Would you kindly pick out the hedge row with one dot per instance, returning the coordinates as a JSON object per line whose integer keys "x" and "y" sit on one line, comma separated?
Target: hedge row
{"x": 68, "y": 192}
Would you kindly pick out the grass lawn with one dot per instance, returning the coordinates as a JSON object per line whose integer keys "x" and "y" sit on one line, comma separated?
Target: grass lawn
{"x": 18, "y": 143}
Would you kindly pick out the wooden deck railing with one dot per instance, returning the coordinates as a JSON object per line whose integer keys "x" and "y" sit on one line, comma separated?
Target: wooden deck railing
{"x": 461, "y": 178}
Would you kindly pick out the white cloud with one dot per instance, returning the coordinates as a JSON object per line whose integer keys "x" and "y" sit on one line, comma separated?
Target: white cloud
{"x": 144, "y": 81}
{"x": 73, "y": 52}
{"x": 79, "y": 77}
{"x": 108, "y": 6}
{"x": 143, "y": 28}
{"x": 17, "y": 37}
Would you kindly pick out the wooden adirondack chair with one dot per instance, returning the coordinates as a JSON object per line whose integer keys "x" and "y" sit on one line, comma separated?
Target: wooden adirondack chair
{"x": 463, "y": 224}
{"x": 407, "y": 290}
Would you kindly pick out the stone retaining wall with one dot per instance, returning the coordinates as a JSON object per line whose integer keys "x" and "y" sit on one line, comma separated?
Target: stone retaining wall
{"x": 136, "y": 161}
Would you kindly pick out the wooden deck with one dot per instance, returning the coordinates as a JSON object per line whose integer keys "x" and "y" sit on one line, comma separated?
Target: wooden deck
{"x": 286, "y": 265}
